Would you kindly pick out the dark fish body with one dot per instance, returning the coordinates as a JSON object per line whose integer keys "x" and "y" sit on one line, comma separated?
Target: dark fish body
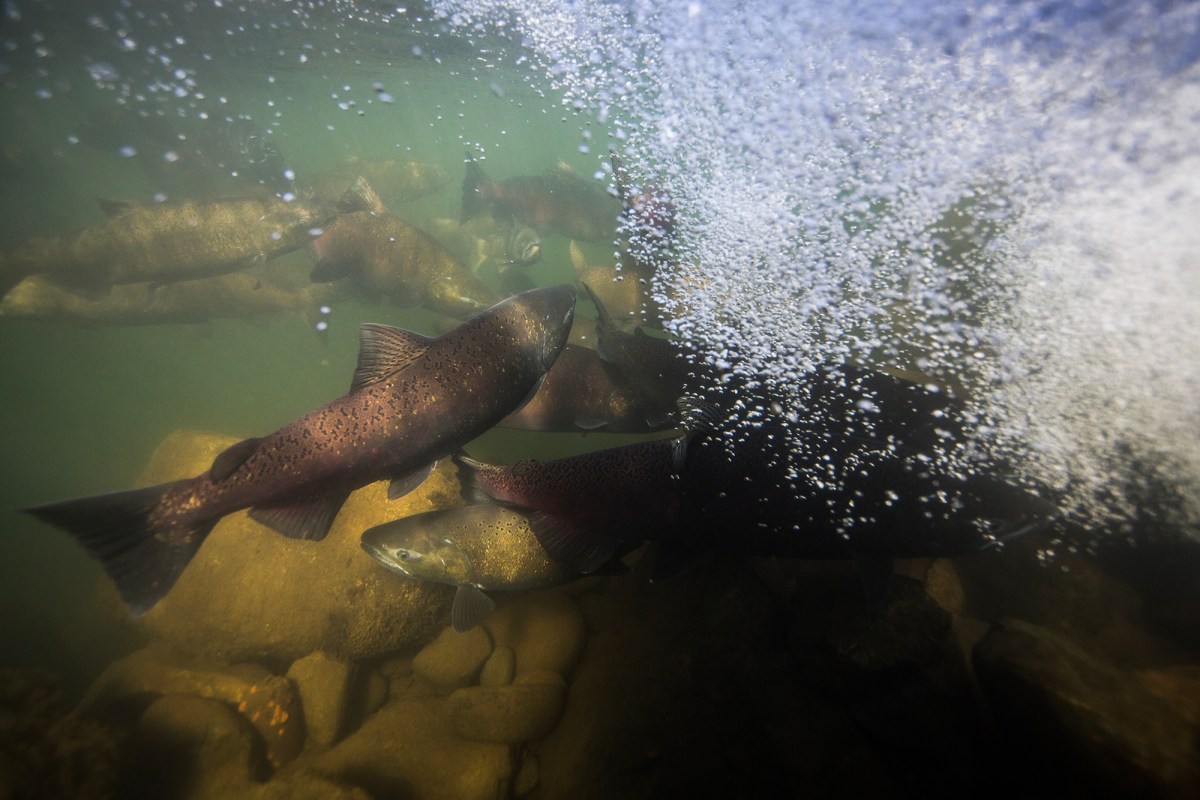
{"x": 523, "y": 247}
{"x": 583, "y": 392}
{"x": 586, "y": 507}
{"x": 558, "y": 202}
{"x": 413, "y": 400}
{"x": 478, "y": 549}
{"x": 238, "y": 295}
{"x": 859, "y": 472}
{"x": 167, "y": 242}
{"x": 384, "y": 256}
{"x": 659, "y": 368}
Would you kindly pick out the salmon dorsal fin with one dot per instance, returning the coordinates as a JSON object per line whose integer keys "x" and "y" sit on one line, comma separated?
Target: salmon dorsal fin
{"x": 115, "y": 208}
{"x": 383, "y": 350}
{"x": 361, "y": 196}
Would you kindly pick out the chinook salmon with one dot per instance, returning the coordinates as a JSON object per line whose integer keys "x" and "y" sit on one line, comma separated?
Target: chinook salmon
{"x": 167, "y": 242}
{"x": 413, "y": 400}
{"x": 861, "y": 472}
{"x": 558, "y": 202}
{"x": 382, "y": 255}
{"x": 475, "y": 548}
{"x": 238, "y": 295}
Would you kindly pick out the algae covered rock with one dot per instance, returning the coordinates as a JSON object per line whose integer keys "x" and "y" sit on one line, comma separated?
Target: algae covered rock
{"x": 525, "y": 710}
{"x": 1081, "y": 719}
{"x": 325, "y": 685}
{"x": 500, "y": 667}
{"x": 545, "y": 630}
{"x": 267, "y": 702}
{"x": 453, "y": 659}
{"x": 251, "y": 593}
{"x": 408, "y": 750}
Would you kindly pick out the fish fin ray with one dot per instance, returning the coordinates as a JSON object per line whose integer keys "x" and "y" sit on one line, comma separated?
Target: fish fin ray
{"x": 384, "y": 350}
{"x": 471, "y": 607}
{"x": 404, "y": 483}
{"x": 309, "y": 520}
{"x": 565, "y": 541}
{"x": 117, "y": 530}
{"x": 361, "y": 196}
{"x": 228, "y": 460}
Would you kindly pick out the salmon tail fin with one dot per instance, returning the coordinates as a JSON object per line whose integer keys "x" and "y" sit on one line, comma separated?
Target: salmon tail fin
{"x": 117, "y": 529}
{"x": 473, "y": 193}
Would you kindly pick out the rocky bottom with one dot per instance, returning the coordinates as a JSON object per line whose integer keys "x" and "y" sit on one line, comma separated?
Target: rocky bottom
{"x": 989, "y": 675}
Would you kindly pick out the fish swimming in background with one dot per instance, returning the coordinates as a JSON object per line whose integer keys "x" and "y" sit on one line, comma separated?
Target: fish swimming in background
{"x": 413, "y": 400}
{"x": 582, "y": 392}
{"x": 524, "y": 247}
{"x": 396, "y": 181}
{"x": 381, "y": 255}
{"x": 238, "y": 295}
{"x": 626, "y": 293}
{"x": 558, "y": 202}
{"x": 166, "y": 242}
{"x": 483, "y": 548}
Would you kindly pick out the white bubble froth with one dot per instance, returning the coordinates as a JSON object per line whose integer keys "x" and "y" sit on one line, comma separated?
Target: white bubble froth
{"x": 1002, "y": 196}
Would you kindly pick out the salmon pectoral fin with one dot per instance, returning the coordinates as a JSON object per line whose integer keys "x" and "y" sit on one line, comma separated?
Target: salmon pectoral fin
{"x": 117, "y": 529}
{"x": 309, "y": 519}
{"x": 402, "y": 484}
{"x": 471, "y": 607}
{"x": 575, "y": 546}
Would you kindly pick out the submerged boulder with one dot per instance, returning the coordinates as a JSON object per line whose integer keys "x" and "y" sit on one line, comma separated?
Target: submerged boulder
{"x": 1081, "y": 719}
{"x": 251, "y": 593}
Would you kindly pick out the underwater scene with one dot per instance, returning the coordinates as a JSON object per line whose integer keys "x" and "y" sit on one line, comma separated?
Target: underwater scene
{"x": 610, "y": 399}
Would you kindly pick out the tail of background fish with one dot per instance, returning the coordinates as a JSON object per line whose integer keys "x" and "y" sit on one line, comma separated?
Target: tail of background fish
{"x": 474, "y": 192}
{"x": 10, "y": 275}
{"x": 118, "y": 531}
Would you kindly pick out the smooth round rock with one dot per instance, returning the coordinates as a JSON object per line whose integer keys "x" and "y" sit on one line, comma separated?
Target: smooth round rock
{"x": 523, "y": 711}
{"x": 453, "y": 659}
{"x": 545, "y": 629}
{"x": 324, "y": 684}
{"x": 500, "y": 667}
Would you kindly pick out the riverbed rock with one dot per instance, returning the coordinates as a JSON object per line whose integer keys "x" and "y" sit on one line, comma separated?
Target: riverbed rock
{"x": 545, "y": 630}
{"x": 1087, "y": 726}
{"x": 267, "y": 702}
{"x": 500, "y": 667}
{"x": 453, "y": 659}
{"x": 408, "y": 750}
{"x": 191, "y": 747}
{"x": 525, "y": 710}
{"x": 251, "y": 593}
{"x": 325, "y": 685}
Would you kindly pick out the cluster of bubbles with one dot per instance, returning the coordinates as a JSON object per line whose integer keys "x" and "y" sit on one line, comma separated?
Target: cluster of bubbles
{"x": 1001, "y": 197}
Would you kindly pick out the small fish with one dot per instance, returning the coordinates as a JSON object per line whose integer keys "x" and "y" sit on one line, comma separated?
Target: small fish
{"x": 413, "y": 400}
{"x": 381, "y": 255}
{"x": 479, "y": 549}
{"x": 524, "y": 247}
{"x": 166, "y": 242}
{"x": 558, "y": 202}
